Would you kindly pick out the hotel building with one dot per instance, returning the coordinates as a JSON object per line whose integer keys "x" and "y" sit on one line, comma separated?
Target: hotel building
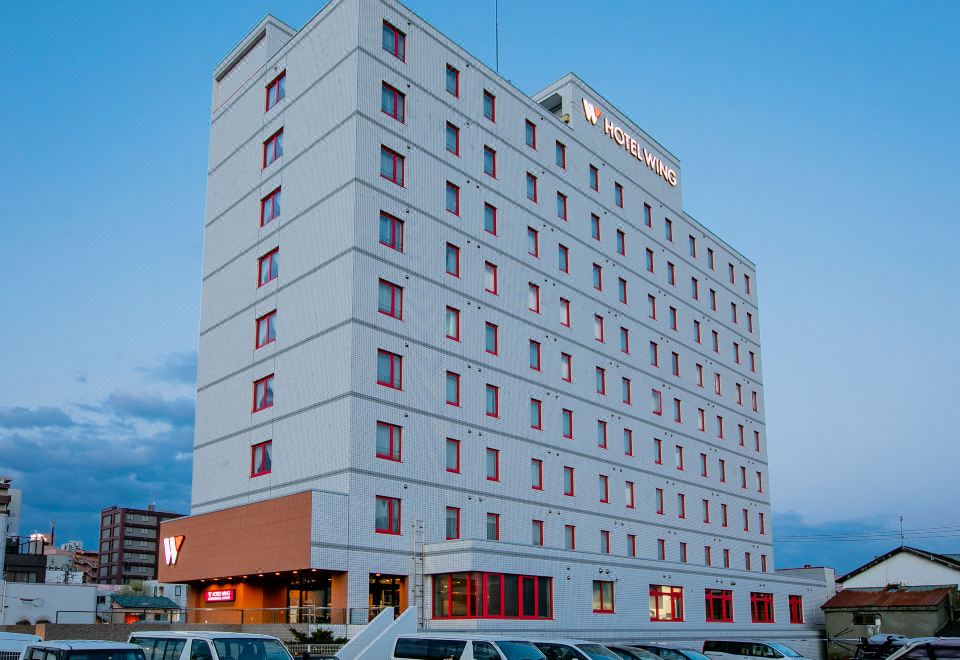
{"x": 461, "y": 348}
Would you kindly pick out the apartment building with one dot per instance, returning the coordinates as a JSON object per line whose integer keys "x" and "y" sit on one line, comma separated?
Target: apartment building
{"x": 128, "y": 544}
{"x": 461, "y": 347}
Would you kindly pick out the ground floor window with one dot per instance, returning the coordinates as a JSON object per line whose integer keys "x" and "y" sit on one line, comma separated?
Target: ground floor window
{"x": 666, "y": 603}
{"x": 719, "y": 605}
{"x": 796, "y": 609}
{"x": 492, "y": 596}
{"x": 761, "y": 607}
{"x": 602, "y": 596}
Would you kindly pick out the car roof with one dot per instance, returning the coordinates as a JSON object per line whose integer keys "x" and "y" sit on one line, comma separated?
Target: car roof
{"x": 569, "y": 642}
{"x": 470, "y": 637}
{"x": 201, "y": 634}
{"x": 27, "y": 637}
{"x": 89, "y": 644}
{"x": 676, "y": 646}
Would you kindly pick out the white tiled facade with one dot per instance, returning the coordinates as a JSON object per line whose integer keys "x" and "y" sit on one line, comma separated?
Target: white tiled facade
{"x": 328, "y": 332}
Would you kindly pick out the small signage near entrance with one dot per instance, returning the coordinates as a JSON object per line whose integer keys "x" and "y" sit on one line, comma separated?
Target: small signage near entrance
{"x": 220, "y": 596}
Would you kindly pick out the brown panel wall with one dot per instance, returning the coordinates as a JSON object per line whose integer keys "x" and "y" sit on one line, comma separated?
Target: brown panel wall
{"x": 268, "y": 536}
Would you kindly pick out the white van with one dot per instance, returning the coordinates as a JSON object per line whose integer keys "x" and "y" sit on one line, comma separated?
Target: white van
{"x": 748, "y": 650}
{"x": 81, "y": 649}
{"x": 12, "y": 644}
{"x": 462, "y": 647}
{"x": 208, "y": 645}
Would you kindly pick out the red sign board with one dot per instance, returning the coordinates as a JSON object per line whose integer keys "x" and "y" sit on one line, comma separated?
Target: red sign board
{"x": 220, "y": 596}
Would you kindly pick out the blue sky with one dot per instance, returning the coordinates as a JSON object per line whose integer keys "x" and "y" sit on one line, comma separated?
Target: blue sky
{"x": 818, "y": 138}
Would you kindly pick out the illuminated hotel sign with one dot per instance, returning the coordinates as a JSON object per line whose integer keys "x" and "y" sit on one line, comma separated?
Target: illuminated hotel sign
{"x": 220, "y": 596}
{"x": 171, "y": 549}
{"x": 592, "y": 114}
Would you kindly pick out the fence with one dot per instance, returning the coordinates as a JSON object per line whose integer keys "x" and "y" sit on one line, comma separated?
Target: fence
{"x": 297, "y": 650}
{"x": 332, "y": 616}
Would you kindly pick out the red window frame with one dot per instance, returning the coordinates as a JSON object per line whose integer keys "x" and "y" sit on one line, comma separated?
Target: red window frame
{"x": 598, "y": 277}
{"x": 456, "y": 139}
{"x": 719, "y": 605}
{"x": 563, "y": 258}
{"x": 493, "y": 105}
{"x": 393, "y": 504}
{"x": 479, "y": 591}
{"x": 601, "y": 378}
{"x": 536, "y": 414}
{"x": 456, "y": 81}
{"x": 599, "y": 333}
{"x": 618, "y": 194}
{"x": 624, "y": 340}
{"x": 396, "y": 299}
{"x": 456, "y": 380}
{"x": 706, "y": 512}
{"x": 534, "y": 291}
{"x": 536, "y": 474}
{"x": 399, "y": 41}
{"x": 268, "y": 261}
{"x": 668, "y": 229}
{"x": 531, "y": 178}
{"x": 657, "y": 400}
{"x": 622, "y": 290}
{"x": 565, "y": 312}
{"x": 490, "y": 211}
{"x": 452, "y": 442}
{"x": 567, "y": 416}
{"x": 693, "y": 246}
{"x": 456, "y": 198}
{"x": 632, "y": 545}
{"x": 495, "y": 412}
{"x": 396, "y": 441}
{"x": 621, "y": 243}
{"x": 561, "y": 206}
{"x": 456, "y": 326}
{"x": 627, "y": 442}
{"x": 601, "y": 434}
{"x": 677, "y": 411}
{"x": 662, "y": 549}
{"x": 594, "y": 178}
{"x": 489, "y": 267}
{"x": 761, "y": 607}
{"x": 396, "y": 369}
{"x": 561, "y": 155}
{"x": 496, "y": 338}
{"x": 456, "y": 511}
{"x": 796, "y": 608}
{"x": 537, "y": 528}
{"x": 566, "y": 367}
{"x": 536, "y": 345}
{"x": 652, "y": 304}
{"x": 631, "y": 497}
{"x": 262, "y": 447}
{"x": 658, "y": 501}
{"x": 275, "y": 91}
{"x": 399, "y": 102}
{"x": 396, "y": 231}
{"x": 270, "y": 206}
{"x": 496, "y": 464}
{"x": 489, "y": 151}
{"x": 626, "y": 387}
{"x": 605, "y": 541}
{"x": 272, "y": 148}
{"x": 451, "y": 248}
{"x": 570, "y": 533}
{"x": 651, "y": 266}
{"x": 267, "y": 320}
{"x": 260, "y": 402}
{"x": 595, "y": 226}
{"x": 674, "y": 595}
{"x": 530, "y": 134}
{"x": 569, "y": 472}
{"x": 531, "y": 232}
{"x": 396, "y": 159}
{"x": 647, "y": 215}
{"x": 495, "y": 518}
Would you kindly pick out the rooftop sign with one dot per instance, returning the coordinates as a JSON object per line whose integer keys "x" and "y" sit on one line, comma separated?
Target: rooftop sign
{"x": 592, "y": 114}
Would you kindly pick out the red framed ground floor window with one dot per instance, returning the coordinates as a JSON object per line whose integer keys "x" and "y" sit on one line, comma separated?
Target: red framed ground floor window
{"x": 492, "y": 596}
{"x": 761, "y": 607}
{"x": 719, "y": 605}
{"x": 666, "y": 603}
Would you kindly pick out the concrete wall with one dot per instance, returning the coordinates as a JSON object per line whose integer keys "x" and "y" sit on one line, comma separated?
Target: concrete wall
{"x": 905, "y": 568}
{"x": 121, "y": 632}
{"x": 35, "y": 602}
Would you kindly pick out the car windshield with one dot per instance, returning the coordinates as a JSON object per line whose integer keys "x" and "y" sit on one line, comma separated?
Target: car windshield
{"x": 241, "y": 648}
{"x": 786, "y": 650}
{"x": 597, "y": 652}
{"x": 520, "y": 651}
{"x": 106, "y": 654}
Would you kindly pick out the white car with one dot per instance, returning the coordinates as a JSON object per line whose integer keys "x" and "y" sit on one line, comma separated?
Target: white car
{"x": 462, "y": 647}
{"x": 81, "y": 649}
{"x": 748, "y": 650}
{"x": 929, "y": 648}
{"x": 574, "y": 649}
{"x": 208, "y": 645}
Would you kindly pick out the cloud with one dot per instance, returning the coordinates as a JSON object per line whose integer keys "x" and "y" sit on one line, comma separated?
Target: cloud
{"x": 178, "y": 368}
{"x": 151, "y": 407}
{"x": 29, "y": 418}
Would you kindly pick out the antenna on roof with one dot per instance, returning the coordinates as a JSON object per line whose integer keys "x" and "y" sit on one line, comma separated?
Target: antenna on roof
{"x": 901, "y": 531}
{"x": 496, "y": 31}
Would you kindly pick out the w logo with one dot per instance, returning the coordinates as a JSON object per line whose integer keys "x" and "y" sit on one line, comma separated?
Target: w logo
{"x": 171, "y": 549}
{"x": 591, "y": 112}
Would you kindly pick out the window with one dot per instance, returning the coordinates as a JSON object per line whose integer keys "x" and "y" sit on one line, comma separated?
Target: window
{"x": 658, "y": 451}
{"x": 673, "y": 318}
{"x": 746, "y": 561}
{"x": 561, "y": 206}
{"x": 569, "y": 537}
{"x": 703, "y": 466}
{"x": 631, "y": 545}
{"x": 565, "y": 312}
{"x": 697, "y": 336}
{"x": 603, "y": 597}
{"x": 618, "y": 194}
{"x": 604, "y": 489}
{"x": 595, "y": 226}
{"x": 566, "y": 418}
{"x": 726, "y": 558}
{"x": 390, "y": 299}
{"x": 453, "y": 523}
{"x": 598, "y": 277}
{"x": 598, "y": 327}
{"x": 683, "y": 552}
{"x": 677, "y": 411}
{"x": 276, "y": 90}
{"x": 391, "y": 231}
{"x": 621, "y": 242}
{"x": 536, "y": 414}
{"x": 763, "y": 521}
{"x": 654, "y": 354}
{"x": 387, "y": 515}
{"x": 746, "y": 284}
{"x": 761, "y": 607}
{"x": 453, "y": 198}
{"x": 563, "y": 258}
{"x": 649, "y": 257}
{"x": 561, "y": 155}
{"x": 678, "y": 457}
{"x": 272, "y": 148}
{"x": 710, "y": 263}
{"x": 668, "y": 229}
{"x": 622, "y": 290}
{"x": 489, "y": 106}
{"x": 452, "y": 139}
{"x": 493, "y": 526}
{"x": 732, "y": 272}
{"x": 627, "y": 442}
{"x": 666, "y": 603}
{"x": 746, "y": 520}
{"x": 706, "y": 512}
{"x": 533, "y": 242}
{"x": 701, "y": 419}
{"x": 625, "y": 390}
{"x": 261, "y": 458}
{"x": 568, "y": 481}
{"x": 601, "y": 434}
{"x": 763, "y": 563}
{"x": 263, "y": 393}
{"x": 531, "y": 187}
{"x": 723, "y": 513}
{"x": 491, "y": 338}
{"x": 594, "y": 178}
{"x": 719, "y": 605}
{"x": 536, "y": 474}
{"x": 657, "y": 401}
{"x": 681, "y": 505}
{"x": 266, "y": 331}
{"x": 270, "y": 207}
{"x": 392, "y": 102}
{"x": 629, "y": 495}
{"x": 694, "y": 288}
{"x": 530, "y": 134}
{"x": 394, "y": 42}
{"x": 453, "y": 388}
{"x": 671, "y": 274}
{"x": 453, "y": 455}
{"x": 492, "y": 401}
{"x": 659, "y": 501}
{"x": 490, "y": 278}
{"x": 493, "y": 464}
{"x": 647, "y": 215}
{"x": 452, "y": 323}
{"x": 707, "y": 555}
{"x": 388, "y": 441}
{"x": 490, "y": 219}
{"x": 452, "y": 260}
{"x": 533, "y": 297}
{"x": 566, "y": 367}
{"x": 675, "y": 364}
{"x": 389, "y": 369}
{"x": 713, "y": 299}
{"x": 453, "y": 81}
{"x": 754, "y": 403}
{"x": 484, "y": 595}
{"x": 391, "y": 165}
{"x": 753, "y": 361}
{"x": 662, "y": 549}
{"x": 535, "y": 355}
{"x": 624, "y": 339}
{"x": 489, "y": 162}
{"x": 796, "y": 609}
{"x": 268, "y": 267}
{"x": 756, "y": 440}
{"x": 716, "y": 341}
{"x": 536, "y": 528}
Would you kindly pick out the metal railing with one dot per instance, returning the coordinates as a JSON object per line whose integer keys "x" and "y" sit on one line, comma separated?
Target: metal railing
{"x": 297, "y": 650}
{"x": 323, "y": 616}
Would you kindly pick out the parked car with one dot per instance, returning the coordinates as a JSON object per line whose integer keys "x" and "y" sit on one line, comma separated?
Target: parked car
{"x": 11, "y": 643}
{"x": 929, "y": 649}
{"x": 208, "y": 645}
{"x": 667, "y": 651}
{"x": 633, "y": 653}
{"x": 81, "y": 649}
{"x": 747, "y": 650}
{"x": 574, "y": 649}
{"x": 462, "y": 647}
